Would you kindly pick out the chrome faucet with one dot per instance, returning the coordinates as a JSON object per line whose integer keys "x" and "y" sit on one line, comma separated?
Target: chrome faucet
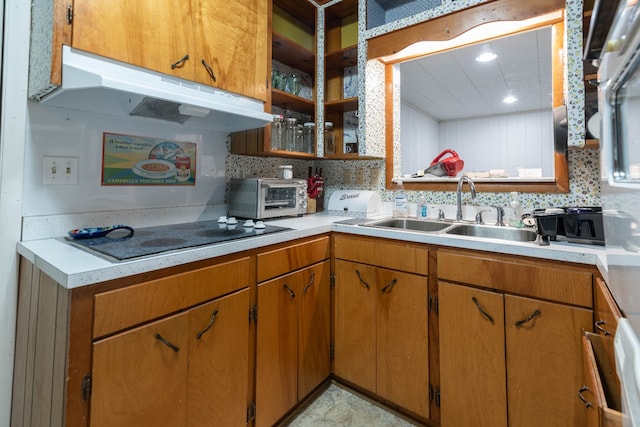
{"x": 500, "y": 215}
{"x": 472, "y": 187}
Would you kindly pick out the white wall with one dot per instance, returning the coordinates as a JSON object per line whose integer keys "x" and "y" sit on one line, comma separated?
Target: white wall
{"x": 54, "y": 131}
{"x": 483, "y": 143}
{"x": 12, "y": 134}
{"x": 419, "y": 137}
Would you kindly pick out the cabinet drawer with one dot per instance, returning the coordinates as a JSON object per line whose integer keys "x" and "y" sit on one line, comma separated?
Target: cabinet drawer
{"x": 600, "y": 396}
{"x": 290, "y": 258}
{"x": 395, "y": 255}
{"x": 605, "y": 311}
{"x": 121, "y": 308}
{"x": 539, "y": 279}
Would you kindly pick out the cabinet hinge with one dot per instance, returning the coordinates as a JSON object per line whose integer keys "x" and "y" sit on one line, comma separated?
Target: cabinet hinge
{"x": 86, "y": 387}
{"x": 332, "y": 351}
{"x": 251, "y": 412}
{"x": 253, "y": 313}
{"x": 332, "y": 280}
{"x": 69, "y": 14}
{"x": 437, "y": 397}
{"x": 433, "y": 304}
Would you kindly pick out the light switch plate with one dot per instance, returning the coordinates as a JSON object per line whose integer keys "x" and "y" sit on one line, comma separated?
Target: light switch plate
{"x": 59, "y": 170}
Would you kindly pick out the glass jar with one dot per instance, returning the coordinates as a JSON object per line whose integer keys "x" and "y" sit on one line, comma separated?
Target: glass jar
{"x": 329, "y": 138}
{"x": 309, "y": 137}
{"x": 294, "y": 84}
{"x": 276, "y": 79}
{"x": 290, "y": 134}
{"x": 277, "y": 132}
{"x": 299, "y": 143}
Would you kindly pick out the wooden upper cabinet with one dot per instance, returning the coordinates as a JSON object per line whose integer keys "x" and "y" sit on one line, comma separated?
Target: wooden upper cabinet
{"x": 231, "y": 38}
{"x": 152, "y": 34}
{"x": 212, "y": 42}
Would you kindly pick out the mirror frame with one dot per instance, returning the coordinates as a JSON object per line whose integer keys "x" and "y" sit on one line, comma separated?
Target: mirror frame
{"x": 448, "y": 27}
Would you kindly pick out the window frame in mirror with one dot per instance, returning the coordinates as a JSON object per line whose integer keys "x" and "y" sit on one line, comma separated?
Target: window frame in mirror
{"x": 449, "y": 27}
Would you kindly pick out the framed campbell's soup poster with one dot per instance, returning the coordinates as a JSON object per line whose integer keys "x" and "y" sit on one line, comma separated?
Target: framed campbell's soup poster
{"x": 138, "y": 160}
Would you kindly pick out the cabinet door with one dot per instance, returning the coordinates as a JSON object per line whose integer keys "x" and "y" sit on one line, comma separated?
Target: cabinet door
{"x": 605, "y": 310}
{"x": 277, "y": 349}
{"x": 232, "y": 41}
{"x": 219, "y": 362}
{"x": 543, "y": 361}
{"x": 402, "y": 340}
{"x": 314, "y": 328}
{"x": 355, "y": 323}
{"x": 152, "y": 34}
{"x": 472, "y": 363}
{"x": 140, "y": 380}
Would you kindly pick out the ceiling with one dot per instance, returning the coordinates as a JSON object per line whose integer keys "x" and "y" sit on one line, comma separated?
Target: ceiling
{"x": 453, "y": 85}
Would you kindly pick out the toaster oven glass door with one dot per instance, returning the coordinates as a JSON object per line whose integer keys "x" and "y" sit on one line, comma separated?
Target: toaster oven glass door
{"x": 280, "y": 197}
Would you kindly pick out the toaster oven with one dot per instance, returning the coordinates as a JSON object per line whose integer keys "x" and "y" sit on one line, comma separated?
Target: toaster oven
{"x": 261, "y": 198}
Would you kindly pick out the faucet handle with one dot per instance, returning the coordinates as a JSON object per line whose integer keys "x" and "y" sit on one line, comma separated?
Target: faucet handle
{"x": 500, "y": 213}
{"x": 479, "y": 219}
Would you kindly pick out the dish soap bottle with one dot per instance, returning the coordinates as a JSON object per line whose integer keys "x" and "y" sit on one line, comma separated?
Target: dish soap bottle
{"x": 400, "y": 201}
{"x": 421, "y": 211}
{"x": 515, "y": 219}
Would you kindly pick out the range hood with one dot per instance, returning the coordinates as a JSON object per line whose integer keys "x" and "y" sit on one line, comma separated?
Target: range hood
{"x": 97, "y": 84}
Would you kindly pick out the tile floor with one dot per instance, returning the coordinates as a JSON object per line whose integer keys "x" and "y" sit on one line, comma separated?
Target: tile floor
{"x": 338, "y": 407}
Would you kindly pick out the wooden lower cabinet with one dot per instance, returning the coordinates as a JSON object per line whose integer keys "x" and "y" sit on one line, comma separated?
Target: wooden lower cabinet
{"x": 599, "y": 397}
{"x": 293, "y": 334}
{"x": 381, "y": 333}
{"x": 472, "y": 357}
{"x": 507, "y": 360}
{"x": 189, "y": 369}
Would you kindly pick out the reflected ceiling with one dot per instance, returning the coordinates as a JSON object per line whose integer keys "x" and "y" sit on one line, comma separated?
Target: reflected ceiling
{"x": 453, "y": 85}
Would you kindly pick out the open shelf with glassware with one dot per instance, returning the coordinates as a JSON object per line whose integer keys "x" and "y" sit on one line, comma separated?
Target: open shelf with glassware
{"x": 341, "y": 78}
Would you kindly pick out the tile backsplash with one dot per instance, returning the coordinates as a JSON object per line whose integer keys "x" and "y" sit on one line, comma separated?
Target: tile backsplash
{"x": 584, "y": 180}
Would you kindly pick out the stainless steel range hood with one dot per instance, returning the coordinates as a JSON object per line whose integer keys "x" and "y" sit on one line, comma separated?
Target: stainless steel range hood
{"x": 101, "y": 85}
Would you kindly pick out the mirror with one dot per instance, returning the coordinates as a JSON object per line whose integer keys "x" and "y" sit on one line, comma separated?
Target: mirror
{"x": 490, "y": 102}
{"x": 444, "y": 99}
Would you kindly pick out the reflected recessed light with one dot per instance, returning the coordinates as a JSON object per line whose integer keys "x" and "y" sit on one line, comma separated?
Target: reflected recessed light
{"x": 486, "y": 57}
{"x": 509, "y": 99}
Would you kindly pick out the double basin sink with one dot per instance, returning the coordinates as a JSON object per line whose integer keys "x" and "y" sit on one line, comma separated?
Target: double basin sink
{"x": 457, "y": 229}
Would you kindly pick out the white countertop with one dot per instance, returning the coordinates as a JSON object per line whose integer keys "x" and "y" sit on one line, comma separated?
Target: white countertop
{"x": 72, "y": 267}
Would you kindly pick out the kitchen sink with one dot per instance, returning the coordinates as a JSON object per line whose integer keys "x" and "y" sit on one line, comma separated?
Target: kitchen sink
{"x": 480, "y": 231}
{"x": 409, "y": 224}
{"x": 491, "y": 232}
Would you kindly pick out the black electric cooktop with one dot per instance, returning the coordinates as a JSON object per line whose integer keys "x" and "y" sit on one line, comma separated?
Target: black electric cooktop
{"x": 154, "y": 240}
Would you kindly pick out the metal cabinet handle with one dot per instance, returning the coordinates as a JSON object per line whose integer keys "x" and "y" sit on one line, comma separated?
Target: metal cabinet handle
{"x": 362, "y": 282}
{"x": 483, "y": 311}
{"x": 291, "y": 293}
{"x": 213, "y": 319}
{"x": 599, "y": 327}
{"x": 528, "y": 319}
{"x": 167, "y": 343}
{"x": 209, "y": 70}
{"x": 389, "y": 285}
{"x": 584, "y": 388}
{"x": 308, "y": 285}
{"x": 180, "y": 62}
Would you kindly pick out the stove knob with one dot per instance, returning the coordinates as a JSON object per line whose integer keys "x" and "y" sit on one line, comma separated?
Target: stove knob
{"x": 260, "y": 224}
